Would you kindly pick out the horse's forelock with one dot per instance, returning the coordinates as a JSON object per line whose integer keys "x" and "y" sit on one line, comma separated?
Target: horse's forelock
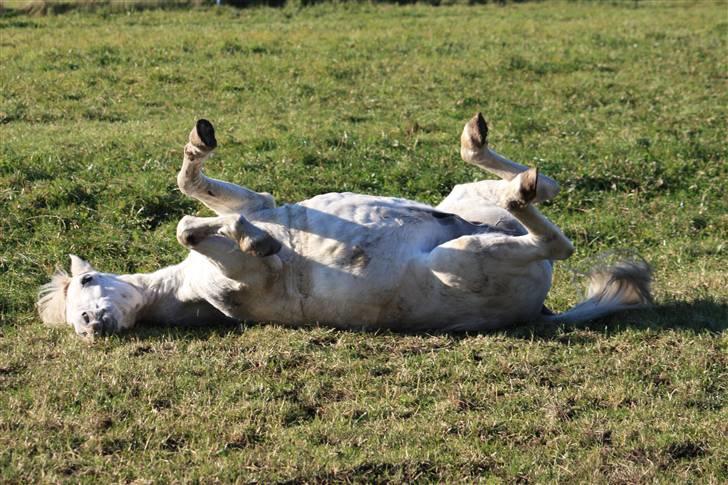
{"x": 52, "y": 299}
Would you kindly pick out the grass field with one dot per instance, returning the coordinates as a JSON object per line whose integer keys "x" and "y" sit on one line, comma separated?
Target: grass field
{"x": 625, "y": 106}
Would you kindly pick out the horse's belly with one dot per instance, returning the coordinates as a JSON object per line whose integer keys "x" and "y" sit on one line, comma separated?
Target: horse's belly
{"x": 355, "y": 293}
{"x": 410, "y": 297}
{"x": 496, "y": 300}
{"x": 360, "y": 262}
{"x": 398, "y": 295}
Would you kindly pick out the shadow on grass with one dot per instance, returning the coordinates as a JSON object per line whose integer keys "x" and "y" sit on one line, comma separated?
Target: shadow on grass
{"x": 698, "y": 317}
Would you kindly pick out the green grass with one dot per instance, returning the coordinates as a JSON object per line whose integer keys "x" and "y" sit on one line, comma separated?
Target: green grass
{"x": 624, "y": 106}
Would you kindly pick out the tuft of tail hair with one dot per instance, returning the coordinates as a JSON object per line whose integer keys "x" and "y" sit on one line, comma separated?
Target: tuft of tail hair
{"x": 611, "y": 288}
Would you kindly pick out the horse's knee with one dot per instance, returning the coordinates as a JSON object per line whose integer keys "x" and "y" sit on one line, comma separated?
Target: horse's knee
{"x": 560, "y": 248}
{"x": 547, "y": 189}
{"x": 184, "y": 184}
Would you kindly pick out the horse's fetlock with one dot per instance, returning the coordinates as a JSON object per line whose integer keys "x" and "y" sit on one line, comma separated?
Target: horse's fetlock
{"x": 193, "y": 153}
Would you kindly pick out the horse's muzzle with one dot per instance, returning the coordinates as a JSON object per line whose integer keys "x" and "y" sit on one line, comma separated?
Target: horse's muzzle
{"x": 104, "y": 323}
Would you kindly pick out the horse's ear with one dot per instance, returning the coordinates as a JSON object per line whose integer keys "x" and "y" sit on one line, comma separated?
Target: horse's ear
{"x": 79, "y": 266}
{"x": 52, "y": 299}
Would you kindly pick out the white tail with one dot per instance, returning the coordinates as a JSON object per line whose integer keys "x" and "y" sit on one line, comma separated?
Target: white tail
{"x": 624, "y": 285}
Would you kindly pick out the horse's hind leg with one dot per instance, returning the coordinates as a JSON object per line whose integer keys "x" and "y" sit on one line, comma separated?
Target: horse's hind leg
{"x": 542, "y": 241}
{"x": 222, "y": 197}
{"x": 509, "y": 275}
{"x": 474, "y": 149}
{"x": 479, "y": 201}
{"x": 544, "y": 238}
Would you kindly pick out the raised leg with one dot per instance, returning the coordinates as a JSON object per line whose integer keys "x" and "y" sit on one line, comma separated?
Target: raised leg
{"x": 222, "y": 197}
{"x": 543, "y": 240}
{"x": 474, "y": 149}
{"x": 242, "y": 251}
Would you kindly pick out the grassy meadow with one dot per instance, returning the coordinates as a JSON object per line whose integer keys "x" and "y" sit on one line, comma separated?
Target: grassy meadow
{"x": 624, "y": 105}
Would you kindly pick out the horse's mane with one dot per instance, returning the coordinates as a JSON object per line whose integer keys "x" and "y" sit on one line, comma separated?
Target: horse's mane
{"x": 52, "y": 299}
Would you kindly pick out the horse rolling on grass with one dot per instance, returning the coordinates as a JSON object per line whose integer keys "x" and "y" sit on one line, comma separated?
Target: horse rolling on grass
{"x": 480, "y": 260}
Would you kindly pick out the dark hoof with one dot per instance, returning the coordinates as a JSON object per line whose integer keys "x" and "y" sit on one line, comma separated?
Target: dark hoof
{"x": 206, "y": 133}
{"x": 478, "y": 131}
{"x": 529, "y": 185}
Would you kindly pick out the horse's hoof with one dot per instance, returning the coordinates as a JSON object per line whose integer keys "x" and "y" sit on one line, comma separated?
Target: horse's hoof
{"x": 522, "y": 190}
{"x": 262, "y": 245}
{"x": 207, "y": 133}
{"x": 529, "y": 185}
{"x": 475, "y": 134}
{"x": 203, "y": 135}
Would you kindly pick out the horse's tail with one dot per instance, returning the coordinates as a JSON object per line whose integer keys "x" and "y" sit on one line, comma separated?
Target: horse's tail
{"x": 611, "y": 288}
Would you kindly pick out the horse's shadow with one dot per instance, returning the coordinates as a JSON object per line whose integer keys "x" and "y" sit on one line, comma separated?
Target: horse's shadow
{"x": 704, "y": 316}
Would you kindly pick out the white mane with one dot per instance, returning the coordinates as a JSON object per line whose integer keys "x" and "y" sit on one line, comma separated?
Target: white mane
{"x": 52, "y": 299}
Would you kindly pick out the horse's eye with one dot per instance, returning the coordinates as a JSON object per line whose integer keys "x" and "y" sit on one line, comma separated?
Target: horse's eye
{"x": 85, "y": 317}
{"x": 85, "y": 279}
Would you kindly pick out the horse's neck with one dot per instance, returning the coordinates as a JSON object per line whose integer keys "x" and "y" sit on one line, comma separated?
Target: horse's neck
{"x": 159, "y": 285}
{"x": 162, "y": 291}
{"x": 167, "y": 299}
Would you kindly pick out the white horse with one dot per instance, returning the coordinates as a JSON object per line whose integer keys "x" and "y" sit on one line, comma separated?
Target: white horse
{"x": 481, "y": 259}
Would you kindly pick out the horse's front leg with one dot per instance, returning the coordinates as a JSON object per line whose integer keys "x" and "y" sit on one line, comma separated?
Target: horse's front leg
{"x": 242, "y": 251}
{"x": 222, "y": 197}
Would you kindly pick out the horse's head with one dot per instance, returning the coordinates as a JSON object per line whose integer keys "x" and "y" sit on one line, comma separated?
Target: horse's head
{"x": 94, "y": 303}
